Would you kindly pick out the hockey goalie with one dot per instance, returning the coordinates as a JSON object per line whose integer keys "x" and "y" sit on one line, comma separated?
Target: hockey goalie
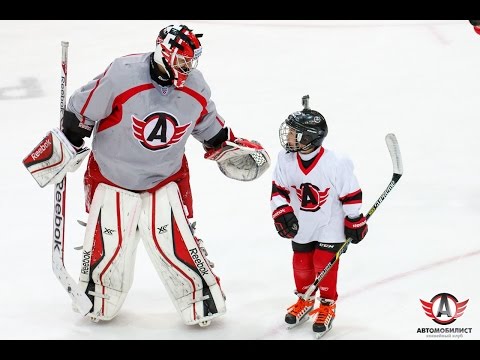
{"x": 139, "y": 113}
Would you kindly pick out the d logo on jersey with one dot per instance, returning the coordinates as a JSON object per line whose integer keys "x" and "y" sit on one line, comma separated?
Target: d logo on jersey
{"x": 158, "y": 131}
{"x": 311, "y": 198}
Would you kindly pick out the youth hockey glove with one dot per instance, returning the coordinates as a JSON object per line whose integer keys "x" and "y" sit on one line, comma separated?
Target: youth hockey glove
{"x": 286, "y": 222}
{"x": 356, "y": 228}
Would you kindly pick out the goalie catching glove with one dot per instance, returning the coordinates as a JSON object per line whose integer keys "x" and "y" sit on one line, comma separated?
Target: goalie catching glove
{"x": 240, "y": 159}
{"x": 50, "y": 161}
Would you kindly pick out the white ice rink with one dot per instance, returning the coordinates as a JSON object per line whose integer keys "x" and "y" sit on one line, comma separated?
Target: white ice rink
{"x": 417, "y": 79}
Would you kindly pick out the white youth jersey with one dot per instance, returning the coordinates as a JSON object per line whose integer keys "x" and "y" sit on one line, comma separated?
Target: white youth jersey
{"x": 321, "y": 195}
{"x": 141, "y": 127}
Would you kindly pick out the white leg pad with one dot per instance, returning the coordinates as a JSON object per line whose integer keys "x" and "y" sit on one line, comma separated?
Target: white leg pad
{"x": 109, "y": 249}
{"x": 188, "y": 278}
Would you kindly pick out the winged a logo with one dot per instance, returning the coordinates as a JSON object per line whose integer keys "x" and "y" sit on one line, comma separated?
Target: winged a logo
{"x": 158, "y": 131}
{"x": 439, "y": 309}
{"x": 311, "y": 197}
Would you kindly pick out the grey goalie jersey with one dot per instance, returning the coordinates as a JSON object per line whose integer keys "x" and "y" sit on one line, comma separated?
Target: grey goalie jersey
{"x": 141, "y": 128}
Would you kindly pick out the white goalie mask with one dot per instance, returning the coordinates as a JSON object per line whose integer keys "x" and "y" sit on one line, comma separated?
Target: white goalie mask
{"x": 178, "y": 50}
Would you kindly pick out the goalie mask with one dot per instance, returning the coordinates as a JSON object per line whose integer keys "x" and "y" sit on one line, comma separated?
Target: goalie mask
{"x": 178, "y": 50}
{"x": 303, "y": 130}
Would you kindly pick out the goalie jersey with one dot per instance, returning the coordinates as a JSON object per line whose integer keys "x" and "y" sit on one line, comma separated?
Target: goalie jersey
{"x": 142, "y": 127}
{"x": 321, "y": 188}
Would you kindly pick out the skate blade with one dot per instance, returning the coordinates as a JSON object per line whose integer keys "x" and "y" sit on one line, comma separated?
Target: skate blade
{"x": 291, "y": 326}
{"x": 320, "y": 335}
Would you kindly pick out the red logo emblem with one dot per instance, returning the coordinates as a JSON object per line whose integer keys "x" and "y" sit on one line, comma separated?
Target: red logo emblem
{"x": 311, "y": 197}
{"x": 444, "y": 308}
{"x": 158, "y": 131}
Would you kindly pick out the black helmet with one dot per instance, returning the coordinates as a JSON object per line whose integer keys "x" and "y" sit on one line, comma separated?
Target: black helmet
{"x": 306, "y": 129}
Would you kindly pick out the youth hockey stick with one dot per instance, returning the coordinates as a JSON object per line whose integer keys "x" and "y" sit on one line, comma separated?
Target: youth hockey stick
{"x": 396, "y": 156}
{"x": 79, "y": 298}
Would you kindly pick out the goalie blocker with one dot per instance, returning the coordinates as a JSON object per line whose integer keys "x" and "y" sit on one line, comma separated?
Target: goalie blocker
{"x": 53, "y": 157}
{"x": 240, "y": 159}
{"x": 117, "y": 219}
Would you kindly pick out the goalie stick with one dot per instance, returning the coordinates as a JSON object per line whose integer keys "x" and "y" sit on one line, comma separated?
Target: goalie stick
{"x": 396, "y": 156}
{"x": 79, "y": 298}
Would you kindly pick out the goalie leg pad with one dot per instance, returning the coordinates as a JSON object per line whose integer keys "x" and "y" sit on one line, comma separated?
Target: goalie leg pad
{"x": 109, "y": 249}
{"x": 180, "y": 263}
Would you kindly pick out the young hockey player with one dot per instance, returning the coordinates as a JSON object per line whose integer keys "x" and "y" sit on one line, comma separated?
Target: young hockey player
{"x": 140, "y": 112}
{"x": 316, "y": 201}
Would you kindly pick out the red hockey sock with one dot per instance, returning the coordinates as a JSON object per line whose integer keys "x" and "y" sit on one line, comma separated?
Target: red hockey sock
{"x": 328, "y": 285}
{"x": 303, "y": 271}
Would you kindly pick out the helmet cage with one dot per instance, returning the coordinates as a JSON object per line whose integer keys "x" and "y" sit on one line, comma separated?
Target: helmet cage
{"x": 295, "y": 136}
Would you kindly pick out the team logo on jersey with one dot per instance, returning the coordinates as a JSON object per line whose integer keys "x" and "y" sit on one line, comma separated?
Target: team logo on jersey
{"x": 444, "y": 308}
{"x": 311, "y": 197}
{"x": 158, "y": 131}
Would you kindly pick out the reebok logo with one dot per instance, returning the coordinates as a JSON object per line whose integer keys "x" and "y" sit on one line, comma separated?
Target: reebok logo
{"x": 198, "y": 261}
{"x": 62, "y": 87}
{"x": 85, "y": 126}
{"x": 58, "y": 220}
{"x": 86, "y": 262}
{"x": 41, "y": 149}
{"x": 359, "y": 224}
{"x": 281, "y": 211}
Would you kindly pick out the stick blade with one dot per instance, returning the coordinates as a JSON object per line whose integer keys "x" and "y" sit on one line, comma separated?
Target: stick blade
{"x": 394, "y": 149}
{"x": 79, "y": 298}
